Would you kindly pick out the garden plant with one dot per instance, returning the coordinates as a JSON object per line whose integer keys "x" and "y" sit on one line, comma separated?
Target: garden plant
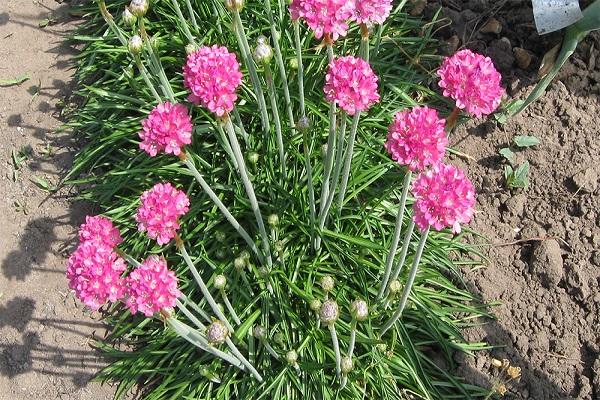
{"x": 280, "y": 217}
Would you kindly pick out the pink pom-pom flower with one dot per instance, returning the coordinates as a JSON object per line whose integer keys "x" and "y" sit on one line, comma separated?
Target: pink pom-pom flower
{"x": 324, "y": 16}
{"x": 159, "y": 211}
{"x": 151, "y": 287}
{"x": 445, "y": 197}
{"x": 352, "y": 84}
{"x": 370, "y": 12}
{"x": 213, "y": 75}
{"x": 94, "y": 273}
{"x": 100, "y": 230}
{"x": 167, "y": 128}
{"x": 417, "y": 138}
{"x": 472, "y": 81}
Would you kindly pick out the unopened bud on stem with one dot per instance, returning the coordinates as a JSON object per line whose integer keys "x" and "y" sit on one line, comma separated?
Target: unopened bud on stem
{"x": 135, "y": 44}
{"x": 139, "y": 8}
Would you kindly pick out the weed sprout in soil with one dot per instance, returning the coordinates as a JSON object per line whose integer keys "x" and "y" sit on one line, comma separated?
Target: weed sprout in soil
{"x": 279, "y": 219}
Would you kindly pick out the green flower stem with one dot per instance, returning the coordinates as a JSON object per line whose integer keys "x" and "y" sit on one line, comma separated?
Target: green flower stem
{"x": 396, "y": 238}
{"x": 328, "y": 165}
{"x": 159, "y": 70}
{"x": 238, "y": 28}
{"x": 409, "y": 284}
{"x": 191, "y": 316}
{"x": 238, "y": 121}
{"x": 184, "y": 24}
{"x": 230, "y": 308}
{"x": 237, "y": 152}
{"x": 336, "y": 174}
{"x": 300, "y": 67}
{"x": 243, "y": 359}
{"x": 127, "y": 257}
{"x": 199, "y": 340}
{"x": 270, "y": 349}
{"x": 205, "y": 292}
{"x": 227, "y": 146}
{"x": 403, "y": 253}
{"x": 215, "y": 199}
{"x": 347, "y": 162}
{"x": 309, "y": 178}
{"x": 352, "y": 338}
{"x": 196, "y": 308}
{"x": 378, "y": 40}
{"x": 146, "y": 78}
{"x": 192, "y": 16}
{"x": 279, "y": 59}
{"x": 273, "y": 101}
{"x": 364, "y": 42}
{"x": 111, "y": 22}
{"x": 336, "y": 351}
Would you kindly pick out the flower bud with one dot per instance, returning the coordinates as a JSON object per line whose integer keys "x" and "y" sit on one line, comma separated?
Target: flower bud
{"x": 128, "y": 17}
{"x": 236, "y": 5}
{"x": 245, "y": 255}
{"x": 359, "y": 310}
{"x": 221, "y": 253}
{"x": 273, "y": 220}
{"x": 239, "y": 263}
{"x": 315, "y": 305}
{"x": 263, "y": 53}
{"x": 217, "y": 333}
{"x": 259, "y": 332}
{"x": 279, "y": 339}
{"x": 190, "y": 48}
{"x": 329, "y": 312}
{"x": 395, "y": 286}
{"x": 135, "y": 44}
{"x": 253, "y": 158}
{"x": 327, "y": 283}
{"x": 303, "y": 124}
{"x": 220, "y": 236}
{"x": 139, "y": 8}
{"x": 291, "y": 357}
{"x": 346, "y": 364}
{"x": 220, "y": 281}
{"x": 278, "y": 246}
{"x": 293, "y": 63}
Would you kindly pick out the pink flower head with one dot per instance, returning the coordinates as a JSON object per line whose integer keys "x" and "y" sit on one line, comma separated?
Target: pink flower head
{"x": 161, "y": 207}
{"x": 472, "y": 81}
{"x": 445, "y": 197}
{"x": 324, "y": 16}
{"x": 351, "y": 83}
{"x": 417, "y": 138}
{"x": 167, "y": 128}
{"x": 99, "y": 230}
{"x": 151, "y": 287}
{"x": 213, "y": 75}
{"x": 94, "y": 273}
{"x": 370, "y": 12}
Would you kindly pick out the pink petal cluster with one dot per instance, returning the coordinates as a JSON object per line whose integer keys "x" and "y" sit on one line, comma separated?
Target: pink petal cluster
{"x": 167, "y": 128}
{"x": 99, "y": 230}
{"x": 445, "y": 197}
{"x": 472, "y": 81}
{"x": 213, "y": 75}
{"x": 160, "y": 208}
{"x": 324, "y": 16}
{"x": 417, "y": 138}
{"x": 94, "y": 273}
{"x": 151, "y": 287}
{"x": 370, "y": 12}
{"x": 351, "y": 83}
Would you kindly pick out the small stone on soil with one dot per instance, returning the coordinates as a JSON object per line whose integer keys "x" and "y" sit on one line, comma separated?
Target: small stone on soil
{"x": 586, "y": 180}
{"x": 547, "y": 262}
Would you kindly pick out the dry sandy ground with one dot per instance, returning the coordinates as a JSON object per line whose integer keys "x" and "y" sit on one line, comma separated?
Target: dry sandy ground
{"x": 44, "y": 333}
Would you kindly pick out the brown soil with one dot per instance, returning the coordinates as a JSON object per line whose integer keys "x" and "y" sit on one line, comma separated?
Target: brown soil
{"x": 45, "y": 334}
{"x": 545, "y": 255}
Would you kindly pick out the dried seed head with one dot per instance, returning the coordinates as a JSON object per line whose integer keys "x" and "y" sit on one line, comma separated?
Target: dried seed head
{"x": 135, "y": 44}
{"x": 315, "y": 305}
{"x": 291, "y": 357}
{"x": 496, "y": 363}
{"x": 329, "y": 312}
{"x": 501, "y": 389}
{"x": 220, "y": 281}
{"x": 236, "y": 5}
{"x": 128, "y": 17}
{"x": 263, "y": 53}
{"x": 327, "y": 283}
{"x": 395, "y": 286}
{"x": 273, "y": 220}
{"x": 359, "y": 310}
{"x": 259, "y": 332}
{"x": 139, "y": 8}
{"x": 514, "y": 372}
{"x": 217, "y": 333}
{"x": 505, "y": 363}
{"x": 346, "y": 364}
